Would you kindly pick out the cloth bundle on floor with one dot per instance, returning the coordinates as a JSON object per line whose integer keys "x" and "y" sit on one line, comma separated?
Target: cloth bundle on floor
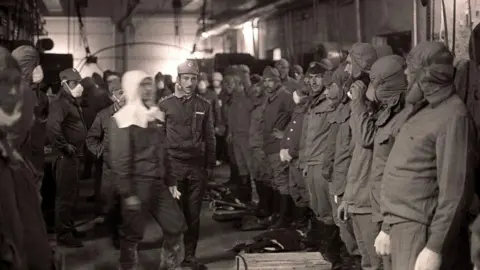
{"x": 280, "y": 240}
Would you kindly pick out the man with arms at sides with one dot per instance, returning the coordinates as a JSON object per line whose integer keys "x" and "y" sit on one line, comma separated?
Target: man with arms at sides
{"x": 190, "y": 141}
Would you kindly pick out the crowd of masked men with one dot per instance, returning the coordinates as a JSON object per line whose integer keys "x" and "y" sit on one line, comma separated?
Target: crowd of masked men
{"x": 375, "y": 159}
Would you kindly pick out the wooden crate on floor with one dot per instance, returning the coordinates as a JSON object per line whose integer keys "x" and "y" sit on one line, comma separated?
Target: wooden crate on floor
{"x": 282, "y": 261}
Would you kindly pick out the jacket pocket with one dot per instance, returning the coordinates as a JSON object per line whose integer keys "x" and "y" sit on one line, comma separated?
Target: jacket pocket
{"x": 198, "y": 120}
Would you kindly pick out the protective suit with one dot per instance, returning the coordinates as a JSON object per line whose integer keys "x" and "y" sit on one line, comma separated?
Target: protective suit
{"x": 138, "y": 159}
{"x": 21, "y": 220}
{"x": 429, "y": 177}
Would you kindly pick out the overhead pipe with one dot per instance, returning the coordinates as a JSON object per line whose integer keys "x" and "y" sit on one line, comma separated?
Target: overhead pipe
{"x": 415, "y": 23}
{"x": 239, "y": 20}
{"x": 358, "y": 20}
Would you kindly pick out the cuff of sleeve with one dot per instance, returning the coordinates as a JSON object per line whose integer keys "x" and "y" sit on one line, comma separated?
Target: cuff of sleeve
{"x": 170, "y": 182}
{"x": 386, "y": 228}
{"x": 434, "y": 244}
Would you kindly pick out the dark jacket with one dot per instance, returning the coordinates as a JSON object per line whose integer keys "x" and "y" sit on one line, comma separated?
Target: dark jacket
{"x": 190, "y": 134}
{"x": 430, "y": 178}
{"x": 277, "y": 113}
{"x": 256, "y": 124}
{"x": 211, "y": 96}
{"x": 136, "y": 152}
{"x": 338, "y": 155}
{"x": 316, "y": 128}
{"x": 97, "y": 136}
{"x": 293, "y": 131}
{"x": 65, "y": 124}
{"x": 239, "y": 115}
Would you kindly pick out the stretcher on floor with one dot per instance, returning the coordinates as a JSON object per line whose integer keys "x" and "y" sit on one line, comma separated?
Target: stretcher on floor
{"x": 281, "y": 261}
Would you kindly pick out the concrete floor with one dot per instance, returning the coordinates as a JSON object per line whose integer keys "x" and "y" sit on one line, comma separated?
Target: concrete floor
{"x": 215, "y": 241}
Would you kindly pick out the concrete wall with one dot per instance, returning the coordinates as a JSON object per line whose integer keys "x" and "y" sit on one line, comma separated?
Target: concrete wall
{"x": 101, "y": 33}
{"x": 299, "y": 31}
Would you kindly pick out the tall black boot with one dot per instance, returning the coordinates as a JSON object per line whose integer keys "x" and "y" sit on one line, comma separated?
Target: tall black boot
{"x": 274, "y": 205}
{"x": 246, "y": 189}
{"x": 234, "y": 179}
{"x": 282, "y": 220}
{"x": 301, "y": 216}
{"x": 128, "y": 256}
{"x": 335, "y": 250}
{"x": 262, "y": 208}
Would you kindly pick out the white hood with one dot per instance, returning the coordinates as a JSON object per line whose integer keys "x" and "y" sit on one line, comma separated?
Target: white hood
{"x": 134, "y": 112}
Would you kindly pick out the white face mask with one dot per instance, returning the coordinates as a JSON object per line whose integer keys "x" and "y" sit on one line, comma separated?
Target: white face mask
{"x": 37, "y": 75}
{"x": 296, "y": 98}
{"x": 76, "y": 91}
{"x": 202, "y": 85}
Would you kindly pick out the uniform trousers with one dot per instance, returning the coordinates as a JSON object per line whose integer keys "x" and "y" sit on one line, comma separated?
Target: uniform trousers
{"x": 157, "y": 203}
{"x": 325, "y": 208}
{"x": 408, "y": 239}
{"x": 67, "y": 185}
{"x": 297, "y": 188}
{"x": 366, "y": 231}
{"x": 191, "y": 179}
{"x": 279, "y": 178}
{"x": 243, "y": 155}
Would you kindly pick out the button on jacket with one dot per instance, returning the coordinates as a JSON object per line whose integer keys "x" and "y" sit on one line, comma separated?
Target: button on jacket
{"x": 429, "y": 177}
{"x": 293, "y": 131}
{"x": 65, "y": 124}
{"x": 190, "y": 135}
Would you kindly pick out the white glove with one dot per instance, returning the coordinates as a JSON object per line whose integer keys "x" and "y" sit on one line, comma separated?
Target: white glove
{"x": 382, "y": 244}
{"x": 428, "y": 260}
{"x": 174, "y": 191}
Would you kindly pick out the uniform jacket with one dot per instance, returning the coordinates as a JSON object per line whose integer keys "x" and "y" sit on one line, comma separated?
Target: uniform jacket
{"x": 278, "y": 109}
{"x": 290, "y": 84}
{"x": 97, "y": 136}
{"x": 240, "y": 108}
{"x": 256, "y": 124}
{"x": 316, "y": 128}
{"x": 137, "y": 152}
{"x": 430, "y": 177}
{"x": 338, "y": 154}
{"x": 293, "y": 132}
{"x": 222, "y": 101}
{"x": 357, "y": 190}
{"x": 211, "y": 96}
{"x": 190, "y": 134}
{"x": 65, "y": 124}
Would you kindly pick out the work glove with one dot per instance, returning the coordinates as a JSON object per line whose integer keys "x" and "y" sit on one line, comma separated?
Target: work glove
{"x": 382, "y": 244}
{"x": 357, "y": 90}
{"x": 174, "y": 191}
{"x": 133, "y": 203}
{"x": 428, "y": 260}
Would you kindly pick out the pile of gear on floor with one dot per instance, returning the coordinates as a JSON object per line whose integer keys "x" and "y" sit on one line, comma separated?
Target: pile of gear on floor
{"x": 229, "y": 206}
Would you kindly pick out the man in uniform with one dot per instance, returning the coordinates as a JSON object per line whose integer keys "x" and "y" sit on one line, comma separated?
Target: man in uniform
{"x": 297, "y": 72}
{"x": 67, "y": 131}
{"x": 190, "y": 139}
{"x": 288, "y": 82}
{"x": 429, "y": 178}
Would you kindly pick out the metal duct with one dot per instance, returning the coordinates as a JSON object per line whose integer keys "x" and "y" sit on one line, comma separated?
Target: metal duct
{"x": 239, "y": 20}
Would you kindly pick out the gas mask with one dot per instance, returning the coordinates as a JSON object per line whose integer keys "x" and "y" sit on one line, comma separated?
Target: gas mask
{"x": 77, "y": 91}
{"x": 37, "y": 75}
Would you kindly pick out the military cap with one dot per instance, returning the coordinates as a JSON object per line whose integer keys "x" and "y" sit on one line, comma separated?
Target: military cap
{"x": 319, "y": 68}
{"x": 188, "y": 67}
{"x": 282, "y": 63}
{"x": 270, "y": 73}
{"x": 217, "y": 76}
{"x": 70, "y": 74}
{"x": 297, "y": 69}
